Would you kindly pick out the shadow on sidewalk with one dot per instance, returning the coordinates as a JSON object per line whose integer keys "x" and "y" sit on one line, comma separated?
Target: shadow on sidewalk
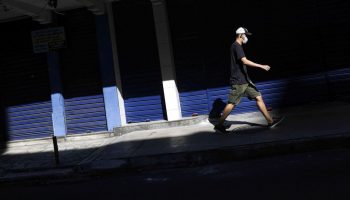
{"x": 215, "y": 113}
{"x": 217, "y": 108}
{"x": 229, "y": 123}
{"x": 152, "y": 146}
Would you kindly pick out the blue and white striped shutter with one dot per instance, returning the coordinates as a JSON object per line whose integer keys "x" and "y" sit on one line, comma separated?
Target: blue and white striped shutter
{"x": 139, "y": 63}
{"x": 25, "y": 86}
{"x": 82, "y": 85}
{"x": 335, "y": 29}
{"x": 189, "y": 66}
{"x": 306, "y": 66}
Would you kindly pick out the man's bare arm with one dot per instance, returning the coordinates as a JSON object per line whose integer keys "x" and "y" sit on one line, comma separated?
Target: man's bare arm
{"x": 253, "y": 64}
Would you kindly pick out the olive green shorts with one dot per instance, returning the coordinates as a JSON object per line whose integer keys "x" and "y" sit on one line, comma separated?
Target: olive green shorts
{"x": 244, "y": 90}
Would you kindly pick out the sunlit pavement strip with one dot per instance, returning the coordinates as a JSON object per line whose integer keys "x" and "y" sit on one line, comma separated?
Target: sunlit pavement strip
{"x": 63, "y": 146}
{"x": 301, "y": 122}
{"x": 188, "y": 138}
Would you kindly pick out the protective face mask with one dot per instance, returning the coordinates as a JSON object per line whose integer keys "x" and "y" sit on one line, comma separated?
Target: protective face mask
{"x": 245, "y": 39}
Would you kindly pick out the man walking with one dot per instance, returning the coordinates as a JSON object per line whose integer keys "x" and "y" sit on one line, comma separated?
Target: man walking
{"x": 241, "y": 85}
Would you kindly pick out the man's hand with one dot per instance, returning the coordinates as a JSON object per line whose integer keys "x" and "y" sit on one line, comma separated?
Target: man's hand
{"x": 253, "y": 64}
{"x": 265, "y": 67}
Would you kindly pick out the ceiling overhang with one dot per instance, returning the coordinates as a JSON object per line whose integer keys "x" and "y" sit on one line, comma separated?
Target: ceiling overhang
{"x": 41, "y": 10}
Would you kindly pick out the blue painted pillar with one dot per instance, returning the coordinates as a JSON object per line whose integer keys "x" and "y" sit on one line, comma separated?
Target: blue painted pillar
{"x": 107, "y": 72}
{"x": 57, "y": 99}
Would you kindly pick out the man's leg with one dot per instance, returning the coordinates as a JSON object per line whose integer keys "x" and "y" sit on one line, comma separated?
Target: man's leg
{"x": 227, "y": 110}
{"x": 233, "y": 99}
{"x": 261, "y": 105}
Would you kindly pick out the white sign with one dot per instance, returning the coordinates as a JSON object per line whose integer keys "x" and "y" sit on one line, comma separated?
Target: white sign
{"x": 45, "y": 40}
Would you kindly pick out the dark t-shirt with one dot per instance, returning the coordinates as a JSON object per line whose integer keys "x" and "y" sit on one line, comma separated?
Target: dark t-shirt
{"x": 239, "y": 74}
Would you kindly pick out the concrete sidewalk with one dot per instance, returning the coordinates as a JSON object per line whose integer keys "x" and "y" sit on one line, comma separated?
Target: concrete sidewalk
{"x": 306, "y": 128}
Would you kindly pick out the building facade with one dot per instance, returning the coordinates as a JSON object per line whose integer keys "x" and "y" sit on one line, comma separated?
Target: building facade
{"x": 133, "y": 61}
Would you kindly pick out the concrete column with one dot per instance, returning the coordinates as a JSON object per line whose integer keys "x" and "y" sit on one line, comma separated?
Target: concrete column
{"x": 171, "y": 94}
{"x": 110, "y": 90}
{"x": 118, "y": 80}
{"x": 57, "y": 99}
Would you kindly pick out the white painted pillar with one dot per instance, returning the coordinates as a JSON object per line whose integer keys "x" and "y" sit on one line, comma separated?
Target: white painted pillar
{"x": 166, "y": 58}
{"x": 118, "y": 79}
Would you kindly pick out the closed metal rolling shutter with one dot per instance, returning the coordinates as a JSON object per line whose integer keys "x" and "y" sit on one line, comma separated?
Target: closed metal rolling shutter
{"x": 190, "y": 81}
{"x": 334, "y": 17}
{"x": 25, "y": 87}
{"x": 340, "y": 83}
{"x": 290, "y": 36}
{"x": 188, "y": 55}
{"x": 82, "y": 85}
{"x": 139, "y": 63}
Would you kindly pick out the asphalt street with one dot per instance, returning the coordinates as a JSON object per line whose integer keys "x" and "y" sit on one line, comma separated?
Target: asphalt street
{"x": 313, "y": 175}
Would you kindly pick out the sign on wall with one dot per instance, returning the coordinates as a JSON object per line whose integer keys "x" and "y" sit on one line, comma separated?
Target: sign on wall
{"x": 45, "y": 40}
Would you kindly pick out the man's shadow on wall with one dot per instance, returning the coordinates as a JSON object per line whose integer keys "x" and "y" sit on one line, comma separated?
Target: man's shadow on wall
{"x": 216, "y": 111}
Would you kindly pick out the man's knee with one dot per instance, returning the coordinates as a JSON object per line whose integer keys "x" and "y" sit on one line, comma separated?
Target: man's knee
{"x": 230, "y": 106}
{"x": 259, "y": 98}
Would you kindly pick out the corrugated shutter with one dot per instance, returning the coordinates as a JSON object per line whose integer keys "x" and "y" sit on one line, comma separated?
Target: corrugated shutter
{"x": 25, "y": 87}
{"x": 334, "y": 26}
{"x": 82, "y": 85}
{"x": 188, "y": 54}
{"x": 293, "y": 37}
{"x": 277, "y": 93}
{"x": 139, "y": 63}
{"x": 142, "y": 90}
{"x": 190, "y": 81}
{"x": 339, "y": 81}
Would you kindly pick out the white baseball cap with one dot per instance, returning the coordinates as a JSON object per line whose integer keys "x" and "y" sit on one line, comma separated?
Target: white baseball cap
{"x": 242, "y": 30}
